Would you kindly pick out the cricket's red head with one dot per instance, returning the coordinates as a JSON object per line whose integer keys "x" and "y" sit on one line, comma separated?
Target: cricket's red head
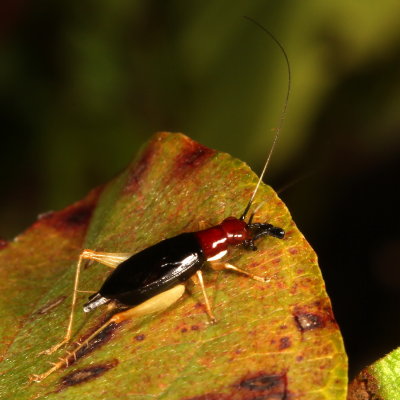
{"x": 236, "y": 230}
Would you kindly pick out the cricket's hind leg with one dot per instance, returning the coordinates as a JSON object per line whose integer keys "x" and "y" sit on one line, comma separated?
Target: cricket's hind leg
{"x": 155, "y": 304}
{"x": 111, "y": 260}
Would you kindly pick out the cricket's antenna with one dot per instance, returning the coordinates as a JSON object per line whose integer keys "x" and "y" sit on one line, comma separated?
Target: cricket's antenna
{"x": 282, "y": 118}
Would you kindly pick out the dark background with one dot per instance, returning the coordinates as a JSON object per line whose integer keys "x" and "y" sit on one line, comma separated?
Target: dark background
{"x": 83, "y": 85}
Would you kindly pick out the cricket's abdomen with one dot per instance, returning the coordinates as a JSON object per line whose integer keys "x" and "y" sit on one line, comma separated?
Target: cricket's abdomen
{"x": 154, "y": 270}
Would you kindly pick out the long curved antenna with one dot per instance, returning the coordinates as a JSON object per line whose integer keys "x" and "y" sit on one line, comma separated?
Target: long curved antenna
{"x": 282, "y": 118}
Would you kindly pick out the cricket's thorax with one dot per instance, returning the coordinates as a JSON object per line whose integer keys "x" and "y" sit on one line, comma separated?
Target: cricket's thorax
{"x": 215, "y": 241}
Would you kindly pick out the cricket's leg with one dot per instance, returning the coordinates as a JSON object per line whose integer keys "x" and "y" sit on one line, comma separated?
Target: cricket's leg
{"x": 226, "y": 266}
{"x": 110, "y": 260}
{"x": 155, "y": 304}
{"x": 198, "y": 279}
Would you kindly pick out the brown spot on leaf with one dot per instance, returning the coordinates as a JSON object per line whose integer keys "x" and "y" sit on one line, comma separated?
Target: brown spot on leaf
{"x": 139, "y": 338}
{"x": 317, "y": 315}
{"x": 194, "y": 328}
{"x": 276, "y": 261}
{"x": 266, "y": 385}
{"x": 3, "y": 243}
{"x": 137, "y": 172}
{"x": 85, "y": 374}
{"x": 308, "y": 321}
{"x": 194, "y": 155}
{"x": 99, "y": 340}
{"x": 258, "y": 386}
{"x": 73, "y": 218}
{"x": 284, "y": 343}
{"x": 50, "y": 305}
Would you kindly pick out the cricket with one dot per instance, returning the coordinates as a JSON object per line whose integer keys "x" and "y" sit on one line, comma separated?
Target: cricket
{"x": 155, "y": 278}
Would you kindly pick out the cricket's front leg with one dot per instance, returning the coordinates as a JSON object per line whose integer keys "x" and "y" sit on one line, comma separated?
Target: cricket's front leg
{"x": 218, "y": 266}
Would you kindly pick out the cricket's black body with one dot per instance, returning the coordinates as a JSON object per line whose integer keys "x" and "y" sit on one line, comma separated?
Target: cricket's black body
{"x": 153, "y": 270}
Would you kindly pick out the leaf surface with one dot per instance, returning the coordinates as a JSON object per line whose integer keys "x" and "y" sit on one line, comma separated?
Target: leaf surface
{"x": 274, "y": 340}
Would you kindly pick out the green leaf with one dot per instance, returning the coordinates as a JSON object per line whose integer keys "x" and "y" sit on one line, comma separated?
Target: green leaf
{"x": 379, "y": 381}
{"x": 274, "y": 340}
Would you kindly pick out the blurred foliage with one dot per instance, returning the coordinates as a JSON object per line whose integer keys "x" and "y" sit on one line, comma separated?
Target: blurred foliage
{"x": 82, "y": 85}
